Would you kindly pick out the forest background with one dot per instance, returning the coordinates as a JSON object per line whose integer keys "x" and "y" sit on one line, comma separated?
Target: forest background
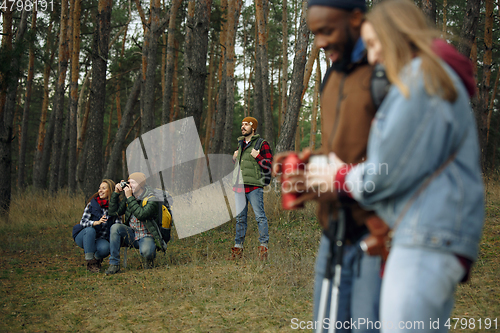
{"x": 82, "y": 79}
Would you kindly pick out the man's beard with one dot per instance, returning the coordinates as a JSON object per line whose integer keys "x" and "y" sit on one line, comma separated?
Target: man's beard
{"x": 345, "y": 60}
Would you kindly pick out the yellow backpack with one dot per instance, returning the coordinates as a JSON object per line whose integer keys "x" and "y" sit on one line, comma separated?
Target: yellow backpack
{"x": 165, "y": 211}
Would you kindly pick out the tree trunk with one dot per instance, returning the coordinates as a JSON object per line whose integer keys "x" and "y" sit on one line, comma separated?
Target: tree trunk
{"x": 169, "y": 71}
{"x": 495, "y": 87}
{"x": 121, "y": 134}
{"x": 196, "y": 60}
{"x": 6, "y": 47}
{"x": 150, "y": 53}
{"x": 258, "y": 99}
{"x": 63, "y": 161}
{"x": 62, "y": 180}
{"x": 297, "y": 136}
{"x": 267, "y": 120}
{"x": 21, "y": 183}
{"x": 47, "y": 149}
{"x": 73, "y": 100}
{"x": 18, "y": 115}
{"x": 38, "y": 176}
{"x": 287, "y": 133}
{"x": 445, "y": 18}
{"x": 59, "y": 98}
{"x": 81, "y": 151}
{"x": 209, "y": 119}
{"x": 429, "y": 9}
{"x": 94, "y": 162}
{"x": 118, "y": 79}
{"x": 314, "y": 120}
{"x": 220, "y": 116}
{"x": 220, "y": 112}
{"x": 233, "y": 15}
{"x": 284, "y": 79}
{"x": 108, "y": 138}
{"x": 83, "y": 98}
{"x": 175, "y": 107}
{"x": 469, "y": 27}
{"x": 485, "y": 84}
{"x": 248, "y": 93}
{"x": 244, "y": 63}
{"x": 309, "y": 67}
{"x": 11, "y": 78}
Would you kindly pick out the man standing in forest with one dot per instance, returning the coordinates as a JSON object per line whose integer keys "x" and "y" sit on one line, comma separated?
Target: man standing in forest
{"x": 347, "y": 113}
{"x": 253, "y": 161}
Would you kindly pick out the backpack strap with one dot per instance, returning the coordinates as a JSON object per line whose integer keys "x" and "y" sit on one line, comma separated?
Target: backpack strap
{"x": 145, "y": 200}
{"x": 379, "y": 85}
{"x": 258, "y": 144}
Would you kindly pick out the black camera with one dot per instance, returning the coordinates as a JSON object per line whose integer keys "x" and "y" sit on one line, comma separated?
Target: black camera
{"x": 123, "y": 184}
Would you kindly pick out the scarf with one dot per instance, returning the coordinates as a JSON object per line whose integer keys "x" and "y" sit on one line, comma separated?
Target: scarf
{"x": 102, "y": 202}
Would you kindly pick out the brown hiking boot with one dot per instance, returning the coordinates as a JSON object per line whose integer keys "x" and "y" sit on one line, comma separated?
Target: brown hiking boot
{"x": 263, "y": 251}
{"x": 93, "y": 266}
{"x": 236, "y": 253}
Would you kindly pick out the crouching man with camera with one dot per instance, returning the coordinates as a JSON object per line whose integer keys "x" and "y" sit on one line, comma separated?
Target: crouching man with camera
{"x": 138, "y": 230}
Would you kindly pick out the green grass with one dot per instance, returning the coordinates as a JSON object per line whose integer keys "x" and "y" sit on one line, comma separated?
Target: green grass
{"x": 44, "y": 285}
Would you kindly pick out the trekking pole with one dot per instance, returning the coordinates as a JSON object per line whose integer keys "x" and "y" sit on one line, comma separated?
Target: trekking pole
{"x": 339, "y": 251}
{"x": 325, "y": 287}
{"x": 331, "y": 274}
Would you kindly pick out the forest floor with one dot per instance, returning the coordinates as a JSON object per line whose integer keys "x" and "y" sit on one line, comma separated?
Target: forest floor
{"x": 45, "y": 287}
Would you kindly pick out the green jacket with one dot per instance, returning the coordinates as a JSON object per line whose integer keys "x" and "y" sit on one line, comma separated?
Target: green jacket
{"x": 147, "y": 214}
{"x": 251, "y": 171}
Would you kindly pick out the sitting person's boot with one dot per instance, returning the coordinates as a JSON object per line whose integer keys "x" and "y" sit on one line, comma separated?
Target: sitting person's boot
{"x": 263, "y": 252}
{"x": 112, "y": 269}
{"x": 99, "y": 263}
{"x": 93, "y": 266}
{"x": 149, "y": 264}
{"x": 236, "y": 253}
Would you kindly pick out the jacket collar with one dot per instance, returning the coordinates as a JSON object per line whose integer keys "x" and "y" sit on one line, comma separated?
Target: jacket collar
{"x": 358, "y": 57}
{"x": 254, "y": 137}
{"x": 147, "y": 192}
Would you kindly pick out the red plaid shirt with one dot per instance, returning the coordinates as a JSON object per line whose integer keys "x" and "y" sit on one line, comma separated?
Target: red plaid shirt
{"x": 139, "y": 228}
{"x": 265, "y": 160}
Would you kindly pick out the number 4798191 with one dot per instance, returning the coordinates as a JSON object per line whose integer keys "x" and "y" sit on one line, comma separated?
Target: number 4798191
{"x": 472, "y": 323}
{"x": 27, "y": 5}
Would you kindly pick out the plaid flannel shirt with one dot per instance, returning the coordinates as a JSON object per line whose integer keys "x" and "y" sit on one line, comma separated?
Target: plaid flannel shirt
{"x": 139, "y": 228}
{"x": 86, "y": 222}
{"x": 265, "y": 160}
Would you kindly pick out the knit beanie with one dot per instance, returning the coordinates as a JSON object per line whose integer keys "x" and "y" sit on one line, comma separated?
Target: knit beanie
{"x": 341, "y": 4}
{"x": 139, "y": 177}
{"x": 252, "y": 121}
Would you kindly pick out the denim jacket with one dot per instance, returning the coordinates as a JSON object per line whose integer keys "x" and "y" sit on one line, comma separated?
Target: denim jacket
{"x": 410, "y": 139}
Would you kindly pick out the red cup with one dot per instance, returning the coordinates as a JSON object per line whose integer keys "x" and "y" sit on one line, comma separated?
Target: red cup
{"x": 291, "y": 164}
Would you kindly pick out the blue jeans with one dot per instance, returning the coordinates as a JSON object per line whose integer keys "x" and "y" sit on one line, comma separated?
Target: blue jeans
{"x": 256, "y": 199}
{"x": 121, "y": 235}
{"x": 98, "y": 248}
{"x": 358, "y": 306}
{"x": 418, "y": 288}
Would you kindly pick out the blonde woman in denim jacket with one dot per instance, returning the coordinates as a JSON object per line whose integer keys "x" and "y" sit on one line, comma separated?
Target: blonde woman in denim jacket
{"x": 422, "y": 174}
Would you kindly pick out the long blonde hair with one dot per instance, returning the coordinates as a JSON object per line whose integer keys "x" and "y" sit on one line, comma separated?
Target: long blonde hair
{"x": 404, "y": 33}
